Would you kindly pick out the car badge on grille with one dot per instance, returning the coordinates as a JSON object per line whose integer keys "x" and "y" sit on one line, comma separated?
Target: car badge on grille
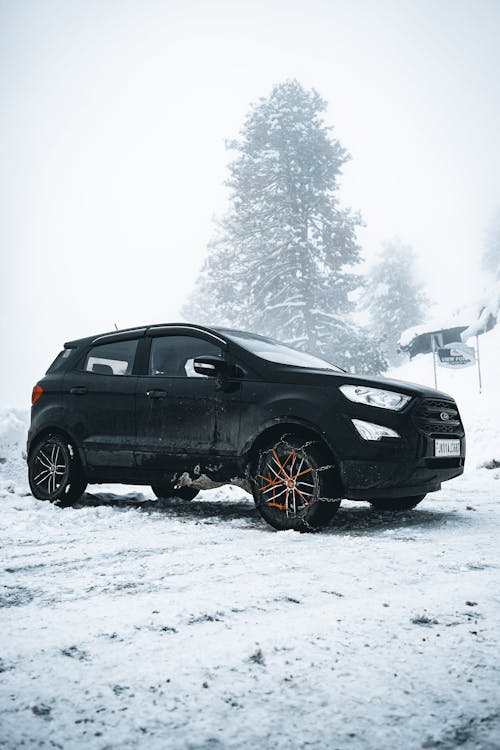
{"x": 444, "y": 416}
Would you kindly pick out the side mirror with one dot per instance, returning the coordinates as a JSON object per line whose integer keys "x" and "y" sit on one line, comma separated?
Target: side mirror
{"x": 209, "y": 365}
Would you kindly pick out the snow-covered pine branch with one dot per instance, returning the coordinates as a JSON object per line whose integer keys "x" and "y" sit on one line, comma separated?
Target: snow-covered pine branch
{"x": 281, "y": 263}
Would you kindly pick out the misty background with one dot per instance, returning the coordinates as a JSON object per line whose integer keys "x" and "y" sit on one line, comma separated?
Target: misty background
{"x": 112, "y": 144}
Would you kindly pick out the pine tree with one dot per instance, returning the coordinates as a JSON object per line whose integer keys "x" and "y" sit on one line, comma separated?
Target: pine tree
{"x": 281, "y": 263}
{"x": 394, "y": 296}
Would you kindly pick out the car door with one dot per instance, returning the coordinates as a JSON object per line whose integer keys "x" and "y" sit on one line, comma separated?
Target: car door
{"x": 175, "y": 406}
{"x": 101, "y": 402}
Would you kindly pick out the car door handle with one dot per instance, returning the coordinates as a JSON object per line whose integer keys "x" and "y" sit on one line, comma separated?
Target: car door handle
{"x": 78, "y": 390}
{"x": 156, "y": 394}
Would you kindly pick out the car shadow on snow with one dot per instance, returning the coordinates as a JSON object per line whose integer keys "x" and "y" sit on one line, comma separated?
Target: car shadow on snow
{"x": 195, "y": 510}
{"x": 352, "y": 518}
{"x": 361, "y": 519}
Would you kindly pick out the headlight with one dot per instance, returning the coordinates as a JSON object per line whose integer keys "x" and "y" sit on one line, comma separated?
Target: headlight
{"x": 370, "y": 431}
{"x": 363, "y": 394}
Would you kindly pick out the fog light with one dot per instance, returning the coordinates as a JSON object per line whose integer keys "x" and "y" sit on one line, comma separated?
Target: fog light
{"x": 370, "y": 431}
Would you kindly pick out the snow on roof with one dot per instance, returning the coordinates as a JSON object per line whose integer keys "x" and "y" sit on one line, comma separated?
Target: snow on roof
{"x": 476, "y": 318}
{"x": 486, "y": 310}
{"x": 432, "y": 326}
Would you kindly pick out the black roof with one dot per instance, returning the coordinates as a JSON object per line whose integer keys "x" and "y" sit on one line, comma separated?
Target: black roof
{"x": 124, "y": 333}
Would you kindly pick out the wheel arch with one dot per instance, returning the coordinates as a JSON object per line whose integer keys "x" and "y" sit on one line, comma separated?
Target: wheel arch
{"x": 56, "y": 429}
{"x": 277, "y": 428}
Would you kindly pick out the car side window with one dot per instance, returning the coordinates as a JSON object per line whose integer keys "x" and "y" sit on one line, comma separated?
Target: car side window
{"x": 115, "y": 358}
{"x": 173, "y": 356}
{"x": 59, "y": 361}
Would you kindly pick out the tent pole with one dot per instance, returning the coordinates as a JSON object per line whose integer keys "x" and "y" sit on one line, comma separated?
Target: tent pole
{"x": 434, "y": 361}
{"x": 478, "y": 365}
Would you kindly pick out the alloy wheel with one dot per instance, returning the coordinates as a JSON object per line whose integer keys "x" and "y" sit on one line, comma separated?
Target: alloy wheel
{"x": 288, "y": 481}
{"x": 50, "y": 472}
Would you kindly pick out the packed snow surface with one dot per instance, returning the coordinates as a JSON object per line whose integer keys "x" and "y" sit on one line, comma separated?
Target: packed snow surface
{"x": 130, "y": 623}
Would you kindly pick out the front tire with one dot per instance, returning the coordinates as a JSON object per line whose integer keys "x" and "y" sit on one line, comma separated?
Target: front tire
{"x": 167, "y": 490}
{"x": 54, "y": 470}
{"x": 398, "y": 503}
{"x": 294, "y": 484}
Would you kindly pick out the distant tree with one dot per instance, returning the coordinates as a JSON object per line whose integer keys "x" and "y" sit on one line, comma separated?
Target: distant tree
{"x": 487, "y": 308}
{"x": 281, "y": 263}
{"x": 491, "y": 255}
{"x": 394, "y": 296}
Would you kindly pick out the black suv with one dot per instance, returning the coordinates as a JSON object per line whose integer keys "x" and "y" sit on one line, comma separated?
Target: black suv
{"x": 182, "y": 408}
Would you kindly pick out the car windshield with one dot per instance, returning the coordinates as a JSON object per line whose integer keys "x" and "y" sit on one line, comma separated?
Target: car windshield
{"x": 275, "y": 351}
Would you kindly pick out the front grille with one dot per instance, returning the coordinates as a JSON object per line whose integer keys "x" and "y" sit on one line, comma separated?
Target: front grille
{"x": 427, "y": 417}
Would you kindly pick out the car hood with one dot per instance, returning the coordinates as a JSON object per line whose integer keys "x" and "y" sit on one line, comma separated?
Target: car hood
{"x": 326, "y": 377}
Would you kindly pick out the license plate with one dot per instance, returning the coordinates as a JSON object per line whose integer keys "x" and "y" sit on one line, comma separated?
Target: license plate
{"x": 446, "y": 447}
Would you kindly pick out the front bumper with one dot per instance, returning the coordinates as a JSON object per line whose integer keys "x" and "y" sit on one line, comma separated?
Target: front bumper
{"x": 366, "y": 480}
{"x": 407, "y": 467}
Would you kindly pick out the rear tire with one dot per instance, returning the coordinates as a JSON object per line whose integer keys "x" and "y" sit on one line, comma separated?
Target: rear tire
{"x": 398, "y": 503}
{"x": 294, "y": 484}
{"x": 167, "y": 490}
{"x": 54, "y": 470}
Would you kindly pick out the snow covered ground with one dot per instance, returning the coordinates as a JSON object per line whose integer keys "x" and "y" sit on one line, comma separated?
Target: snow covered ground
{"x": 128, "y": 623}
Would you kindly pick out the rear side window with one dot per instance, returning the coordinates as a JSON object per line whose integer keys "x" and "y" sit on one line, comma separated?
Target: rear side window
{"x": 172, "y": 356}
{"x": 116, "y": 358}
{"x": 60, "y": 361}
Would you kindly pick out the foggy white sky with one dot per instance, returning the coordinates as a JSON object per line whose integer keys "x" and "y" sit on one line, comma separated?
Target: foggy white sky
{"x": 112, "y": 128}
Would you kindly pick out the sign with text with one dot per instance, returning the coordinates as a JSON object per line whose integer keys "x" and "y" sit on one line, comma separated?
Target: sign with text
{"x": 456, "y": 355}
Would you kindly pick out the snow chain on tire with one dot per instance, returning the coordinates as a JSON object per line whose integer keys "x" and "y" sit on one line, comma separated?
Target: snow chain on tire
{"x": 282, "y": 494}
